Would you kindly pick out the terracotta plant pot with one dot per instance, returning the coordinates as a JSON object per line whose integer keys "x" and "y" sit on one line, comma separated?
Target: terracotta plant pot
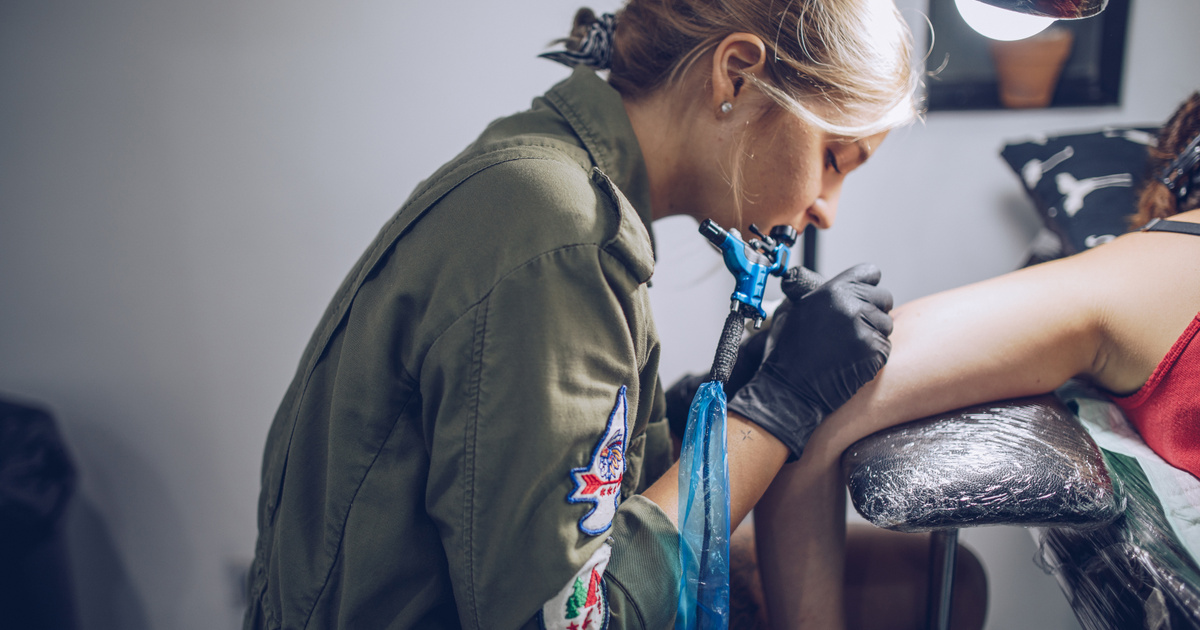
{"x": 1027, "y": 70}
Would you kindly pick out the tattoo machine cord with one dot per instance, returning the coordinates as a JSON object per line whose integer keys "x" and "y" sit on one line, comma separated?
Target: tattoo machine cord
{"x": 704, "y": 517}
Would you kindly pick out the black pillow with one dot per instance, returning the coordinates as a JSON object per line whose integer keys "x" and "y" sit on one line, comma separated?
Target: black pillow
{"x": 1084, "y": 185}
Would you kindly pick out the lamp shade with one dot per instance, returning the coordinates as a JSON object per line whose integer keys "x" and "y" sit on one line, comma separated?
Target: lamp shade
{"x": 1009, "y": 20}
{"x": 1000, "y": 24}
{"x": 1058, "y": 9}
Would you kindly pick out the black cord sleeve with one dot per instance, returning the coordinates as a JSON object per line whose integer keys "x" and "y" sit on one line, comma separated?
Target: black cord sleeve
{"x": 727, "y": 347}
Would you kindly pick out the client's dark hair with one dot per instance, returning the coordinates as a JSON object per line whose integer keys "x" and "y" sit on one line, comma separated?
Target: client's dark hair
{"x": 1157, "y": 201}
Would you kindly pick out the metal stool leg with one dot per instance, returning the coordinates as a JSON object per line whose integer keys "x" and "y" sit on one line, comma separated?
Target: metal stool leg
{"x": 943, "y": 549}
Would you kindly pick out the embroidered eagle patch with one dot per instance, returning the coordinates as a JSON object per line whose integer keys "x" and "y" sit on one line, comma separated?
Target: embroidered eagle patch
{"x": 599, "y": 483}
{"x": 583, "y": 603}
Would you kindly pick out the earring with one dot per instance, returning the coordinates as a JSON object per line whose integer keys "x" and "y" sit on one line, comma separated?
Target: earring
{"x": 726, "y": 107}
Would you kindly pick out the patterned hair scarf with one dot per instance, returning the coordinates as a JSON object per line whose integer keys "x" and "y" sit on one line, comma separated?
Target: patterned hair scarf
{"x": 1182, "y": 174}
{"x": 594, "y": 50}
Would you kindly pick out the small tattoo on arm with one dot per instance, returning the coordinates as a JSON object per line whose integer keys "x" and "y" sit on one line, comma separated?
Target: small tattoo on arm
{"x": 746, "y": 435}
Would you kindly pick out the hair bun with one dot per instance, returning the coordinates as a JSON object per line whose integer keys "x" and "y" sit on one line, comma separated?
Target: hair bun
{"x": 590, "y": 42}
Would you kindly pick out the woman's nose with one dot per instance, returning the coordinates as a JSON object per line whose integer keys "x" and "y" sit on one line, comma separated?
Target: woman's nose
{"x": 823, "y": 211}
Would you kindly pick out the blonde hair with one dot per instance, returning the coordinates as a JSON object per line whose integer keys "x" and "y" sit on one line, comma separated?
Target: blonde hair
{"x": 844, "y": 66}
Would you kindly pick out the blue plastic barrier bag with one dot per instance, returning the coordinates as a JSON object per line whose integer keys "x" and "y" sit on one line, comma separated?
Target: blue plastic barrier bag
{"x": 704, "y": 515}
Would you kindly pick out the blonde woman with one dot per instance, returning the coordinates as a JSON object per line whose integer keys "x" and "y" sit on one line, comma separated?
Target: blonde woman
{"x": 477, "y": 440}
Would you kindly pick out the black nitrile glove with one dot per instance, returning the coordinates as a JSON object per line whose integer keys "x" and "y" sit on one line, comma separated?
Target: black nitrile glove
{"x": 823, "y": 346}
{"x": 680, "y": 395}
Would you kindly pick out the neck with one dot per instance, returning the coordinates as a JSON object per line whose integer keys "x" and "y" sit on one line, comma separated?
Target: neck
{"x": 657, "y": 125}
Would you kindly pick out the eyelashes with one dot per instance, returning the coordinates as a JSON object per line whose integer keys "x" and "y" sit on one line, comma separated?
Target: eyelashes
{"x": 831, "y": 161}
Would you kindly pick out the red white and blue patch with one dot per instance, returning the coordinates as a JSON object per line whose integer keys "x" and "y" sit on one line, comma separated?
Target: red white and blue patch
{"x": 583, "y": 603}
{"x": 599, "y": 482}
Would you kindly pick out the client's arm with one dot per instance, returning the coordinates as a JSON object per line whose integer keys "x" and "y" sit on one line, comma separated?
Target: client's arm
{"x": 1019, "y": 334}
{"x": 1110, "y": 313}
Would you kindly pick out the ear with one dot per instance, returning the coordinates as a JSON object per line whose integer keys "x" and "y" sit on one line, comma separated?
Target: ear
{"x": 737, "y": 55}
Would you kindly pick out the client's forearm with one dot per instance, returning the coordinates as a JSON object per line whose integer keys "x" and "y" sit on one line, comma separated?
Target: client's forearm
{"x": 755, "y": 457}
{"x": 800, "y": 526}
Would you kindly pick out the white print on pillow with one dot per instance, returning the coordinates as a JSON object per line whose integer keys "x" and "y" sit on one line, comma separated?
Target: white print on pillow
{"x": 599, "y": 483}
{"x": 1098, "y": 239}
{"x": 1034, "y": 169}
{"x": 1132, "y": 135}
{"x": 583, "y": 603}
{"x": 1076, "y": 189}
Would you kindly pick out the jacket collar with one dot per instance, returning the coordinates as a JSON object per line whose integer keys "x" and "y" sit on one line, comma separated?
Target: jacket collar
{"x": 596, "y": 114}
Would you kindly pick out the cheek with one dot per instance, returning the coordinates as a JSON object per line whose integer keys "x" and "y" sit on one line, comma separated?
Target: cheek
{"x": 784, "y": 198}
{"x": 783, "y": 179}
{"x": 795, "y": 188}
{"x": 807, "y": 186}
{"x": 798, "y": 173}
{"x": 783, "y": 172}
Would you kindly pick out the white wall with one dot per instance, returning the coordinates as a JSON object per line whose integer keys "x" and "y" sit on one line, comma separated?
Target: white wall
{"x": 183, "y": 185}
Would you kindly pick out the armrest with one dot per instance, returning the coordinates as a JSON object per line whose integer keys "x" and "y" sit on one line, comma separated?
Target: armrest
{"x": 1024, "y": 462}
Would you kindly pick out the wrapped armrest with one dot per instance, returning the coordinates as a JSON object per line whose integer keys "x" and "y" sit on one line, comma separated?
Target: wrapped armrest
{"x": 1024, "y": 462}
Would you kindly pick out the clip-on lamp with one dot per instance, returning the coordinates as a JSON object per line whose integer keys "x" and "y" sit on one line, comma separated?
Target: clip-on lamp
{"x": 1009, "y": 20}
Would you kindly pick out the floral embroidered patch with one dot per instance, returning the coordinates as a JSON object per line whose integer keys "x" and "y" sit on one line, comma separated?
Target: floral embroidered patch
{"x": 583, "y": 603}
{"x": 599, "y": 482}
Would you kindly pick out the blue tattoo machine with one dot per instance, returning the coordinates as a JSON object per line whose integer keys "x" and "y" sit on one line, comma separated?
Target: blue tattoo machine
{"x": 703, "y": 463}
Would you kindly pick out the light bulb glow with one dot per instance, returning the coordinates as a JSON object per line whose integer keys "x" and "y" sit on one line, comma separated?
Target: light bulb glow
{"x": 1001, "y": 24}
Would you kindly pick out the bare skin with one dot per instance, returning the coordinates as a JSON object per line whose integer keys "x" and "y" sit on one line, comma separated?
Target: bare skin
{"x": 1109, "y": 314}
{"x": 753, "y": 463}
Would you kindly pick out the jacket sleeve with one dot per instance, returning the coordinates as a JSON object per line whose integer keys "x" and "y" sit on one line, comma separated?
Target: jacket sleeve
{"x": 531, "y": 398}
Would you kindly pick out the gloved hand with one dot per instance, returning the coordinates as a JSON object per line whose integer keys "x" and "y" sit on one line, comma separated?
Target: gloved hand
{"x": 823, "y": 346}
{"x": 680, "y": 395}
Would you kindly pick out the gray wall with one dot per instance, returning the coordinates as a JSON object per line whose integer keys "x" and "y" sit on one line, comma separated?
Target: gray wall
{"x": 183, "y": 185}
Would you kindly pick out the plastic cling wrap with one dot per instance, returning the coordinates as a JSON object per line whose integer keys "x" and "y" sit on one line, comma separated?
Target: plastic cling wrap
{"x": 1120, "y": 527}
{"x": 704, "y": 514}
{"x": 1139, "y": 571}
{"x": 1021, "y": 462}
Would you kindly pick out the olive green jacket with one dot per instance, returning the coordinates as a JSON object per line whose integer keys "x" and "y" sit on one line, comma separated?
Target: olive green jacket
{"x": 479, "y": 398}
